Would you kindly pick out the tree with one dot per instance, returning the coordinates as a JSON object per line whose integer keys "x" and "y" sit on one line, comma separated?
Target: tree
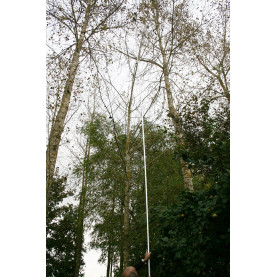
{"x": 85, "y": 173}
{"x": 81, "y": 211}
{"x": 61, "y": 232}
{"x": 211, "y": 50}
{"x": 159, "y": 23}
{"x": 126, "y": 223}
{"x": 110, "y": 189}
{"x": 78, "y": 18}
{"x": 162, "y": 49}
{"x": 106, "y": 199}
{"x": 123, "y": 141}
{"x": 193, "y": 234}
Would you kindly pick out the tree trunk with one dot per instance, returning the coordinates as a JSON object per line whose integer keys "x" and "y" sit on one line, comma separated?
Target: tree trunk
{"x": 109, "y": 261}
{"x": 81, "y": 216}
{"x": 187, "y": 177}
{"x": 111, "y": 270}
{"x": 126, "y": 223}
{"x": 58, "y": 124}
{"x": 121, "y": 244}
{"x": 110, "y": 238}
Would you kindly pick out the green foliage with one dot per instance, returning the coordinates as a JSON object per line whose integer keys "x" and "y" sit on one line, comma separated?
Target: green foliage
{"x": 189, "y": 232}
{"x": 60, "y": 232}
{"x": 106, "y": 167}
{"x": 164, "y": 184}
{"x": 193, "y": 235}
{"x": 207, "y": 134}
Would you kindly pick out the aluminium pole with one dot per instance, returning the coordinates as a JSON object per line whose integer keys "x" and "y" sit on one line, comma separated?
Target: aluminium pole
{"x": 146, "y": 196}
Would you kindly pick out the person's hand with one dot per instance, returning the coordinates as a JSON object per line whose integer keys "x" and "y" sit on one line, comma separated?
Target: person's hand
{"x": 147, "y": 255}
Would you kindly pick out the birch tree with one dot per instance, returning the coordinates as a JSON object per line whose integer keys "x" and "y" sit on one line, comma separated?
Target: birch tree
{"x": 126, "y": 225}
{"x": 81, "y": 20}
{"x": 211, "y": 49}
{"x": 160, "y": 22}
{"x": 123, "y": 142}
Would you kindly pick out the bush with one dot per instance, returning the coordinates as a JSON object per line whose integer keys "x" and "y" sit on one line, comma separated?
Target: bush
{"x": 193, "y": 235}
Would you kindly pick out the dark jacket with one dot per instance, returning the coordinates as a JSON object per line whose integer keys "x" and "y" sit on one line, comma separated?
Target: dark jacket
{"x": 139, "y": 265}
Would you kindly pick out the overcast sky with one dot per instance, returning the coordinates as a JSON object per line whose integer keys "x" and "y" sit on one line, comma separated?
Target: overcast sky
{"x": 93, "y": 268}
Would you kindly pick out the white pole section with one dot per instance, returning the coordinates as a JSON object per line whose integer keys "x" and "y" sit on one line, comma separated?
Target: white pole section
{"x": 146, "y": 197}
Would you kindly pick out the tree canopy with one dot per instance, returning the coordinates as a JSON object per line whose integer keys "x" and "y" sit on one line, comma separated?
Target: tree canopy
{"x": 110, "y": 65}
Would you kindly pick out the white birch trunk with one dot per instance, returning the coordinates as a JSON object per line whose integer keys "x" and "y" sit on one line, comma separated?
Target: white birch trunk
{"x": 58, "y": 125}
{"x": 187, "y": 177}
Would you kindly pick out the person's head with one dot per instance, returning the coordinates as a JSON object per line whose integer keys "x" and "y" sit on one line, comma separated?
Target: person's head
{"x": 130, "y": 271}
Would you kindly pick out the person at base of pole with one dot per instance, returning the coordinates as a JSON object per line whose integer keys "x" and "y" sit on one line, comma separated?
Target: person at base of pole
{"x": 131, "y": 271}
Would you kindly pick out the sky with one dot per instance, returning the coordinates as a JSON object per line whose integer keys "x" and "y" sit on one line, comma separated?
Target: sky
{"x": 253, "y": 139}
{"x": 93, "y": 268}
